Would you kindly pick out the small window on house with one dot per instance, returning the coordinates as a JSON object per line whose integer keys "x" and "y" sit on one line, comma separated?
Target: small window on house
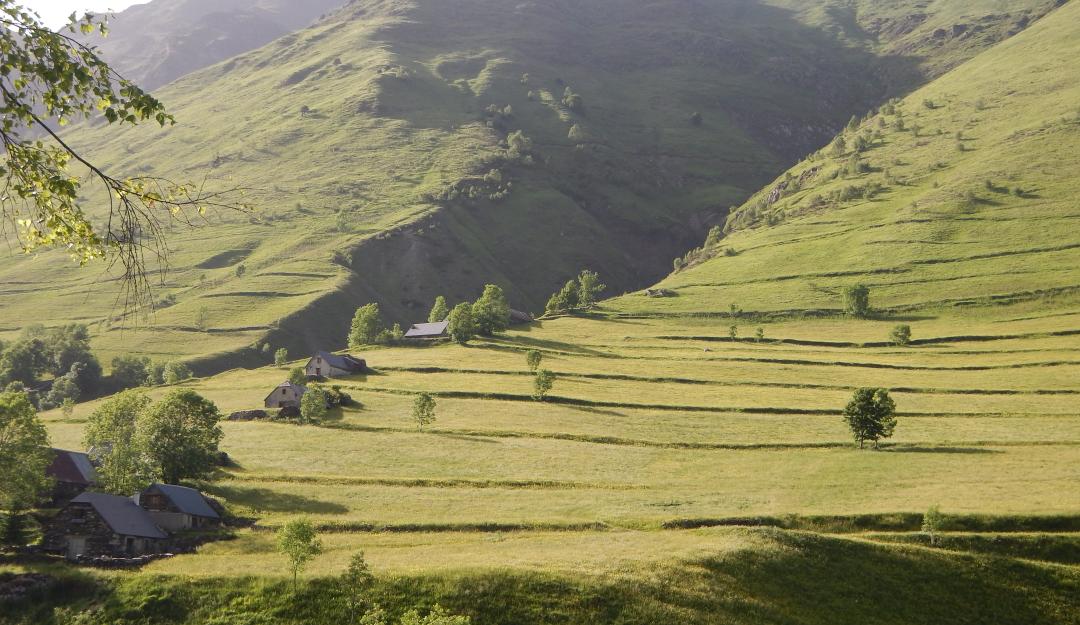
{"x": 284, "y": 391}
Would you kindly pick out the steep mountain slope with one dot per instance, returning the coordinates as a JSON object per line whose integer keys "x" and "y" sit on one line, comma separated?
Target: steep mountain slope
{"x": 376, "y": 146}
{"x": 157, "y": 42}
{"x": 961, "y": 194}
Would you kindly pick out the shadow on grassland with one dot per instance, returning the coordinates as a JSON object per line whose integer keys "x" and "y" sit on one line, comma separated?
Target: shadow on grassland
{"x": 267, "y": 500}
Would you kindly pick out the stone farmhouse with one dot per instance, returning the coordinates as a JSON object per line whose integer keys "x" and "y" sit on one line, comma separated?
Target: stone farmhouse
{"x": 327, "y": 365}
{"x": 95, "y": 524}
{"x": 286, "y": 395}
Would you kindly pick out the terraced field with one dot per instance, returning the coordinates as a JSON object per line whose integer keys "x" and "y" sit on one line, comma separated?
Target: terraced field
{"x": 653, "y": 424}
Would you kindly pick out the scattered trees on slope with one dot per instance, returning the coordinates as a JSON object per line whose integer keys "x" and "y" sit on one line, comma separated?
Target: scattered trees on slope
{"x": 579, "y": 293}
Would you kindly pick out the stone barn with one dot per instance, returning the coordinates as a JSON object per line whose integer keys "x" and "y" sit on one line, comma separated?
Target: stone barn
{"x": 176, "y": 508}
{"x": 327, "y": 365}
{"x": 286, "y": 395}
{"x": 96, "y": 524}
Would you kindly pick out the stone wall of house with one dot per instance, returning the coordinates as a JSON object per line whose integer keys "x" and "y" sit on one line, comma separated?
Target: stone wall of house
{"x": 80, "y": 520}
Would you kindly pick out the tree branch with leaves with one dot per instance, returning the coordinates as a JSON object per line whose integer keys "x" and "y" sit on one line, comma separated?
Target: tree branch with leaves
{"x": 47, "y": 80}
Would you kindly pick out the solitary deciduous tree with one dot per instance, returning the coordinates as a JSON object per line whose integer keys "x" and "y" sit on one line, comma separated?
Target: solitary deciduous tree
{"x": 931, "y": 525}
{"x": 543, "y": 384}
{"x": 857, "y": 300}
{"x": 423, "y": 410}
{"x": 440, "y": 311}
{"x": 901, "y": 335}
{"x": 367, "y": 326}
{"x": 299, "y": 543}
{"x": 871, "y": 415}
{"x": 281, "y": 357}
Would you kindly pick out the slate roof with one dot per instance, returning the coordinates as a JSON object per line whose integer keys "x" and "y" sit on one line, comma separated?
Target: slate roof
{"x": 345, "y": 363}
{"x": 427, "y": 330}
{"x": 72, "y": 467}
{"x": 122, "y": 515}
{"x": 186, "y": 500}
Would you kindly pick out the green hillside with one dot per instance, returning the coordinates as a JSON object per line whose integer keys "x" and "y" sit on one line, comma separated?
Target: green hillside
{"x": 396, "y": 182}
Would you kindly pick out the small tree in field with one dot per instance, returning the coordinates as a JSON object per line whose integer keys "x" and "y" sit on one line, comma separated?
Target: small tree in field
{"x": 313, "y": 405}
{"x": 534, "y": 357}
{"x": 857, "y": 300}
{"x": 299, "y": 544}
{"x": 871, "y": 415}
{"x": 733, "y": 332}
{"x": 298, "y": 376}
{"x": 901, "y": 335}
{"x": 423, "y": 410}
{"x": 931, "y": 524}
{"x": 542, "y": 385}
{"x": 281, "y": 357}
{"x": 759, "y": 334}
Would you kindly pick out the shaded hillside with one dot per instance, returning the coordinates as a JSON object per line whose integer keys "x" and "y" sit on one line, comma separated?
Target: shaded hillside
{"x": 157, "y": 42}
{"x": 377, "y": 145}
{"x": 961, "y": 194}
